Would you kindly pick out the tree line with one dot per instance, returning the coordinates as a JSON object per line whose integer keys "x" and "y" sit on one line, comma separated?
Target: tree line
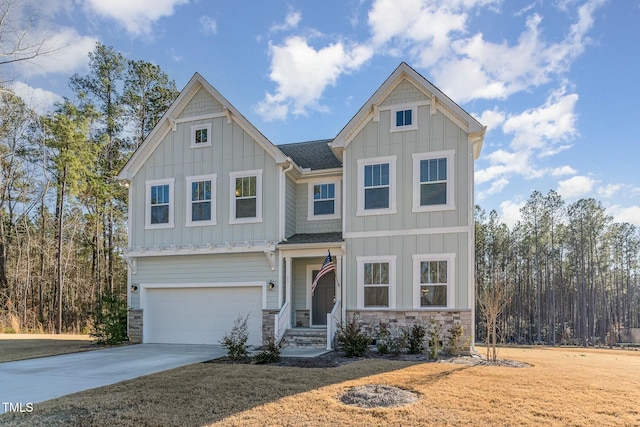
{"x": 62, "y": 212}
{"x": 567, "y": 274}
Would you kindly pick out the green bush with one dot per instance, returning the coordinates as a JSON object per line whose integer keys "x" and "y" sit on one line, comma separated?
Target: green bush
{"x": 110, "y": 319}
{"x": 236, "y": 341}
{"x": 351, "y": 339}
{"x": 414, "y": 338}
{"x": 270, "y": 352}
{"x": 435, "y": 339}
{"x": 384, "y": 339}
{"x": 454, "y": 341}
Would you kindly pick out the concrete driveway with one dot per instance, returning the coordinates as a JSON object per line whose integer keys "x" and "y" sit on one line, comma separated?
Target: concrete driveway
{"x": 37, "y": 380}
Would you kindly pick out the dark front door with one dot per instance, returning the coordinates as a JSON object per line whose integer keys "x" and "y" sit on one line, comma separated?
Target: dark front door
{"x": 322, "y": 298}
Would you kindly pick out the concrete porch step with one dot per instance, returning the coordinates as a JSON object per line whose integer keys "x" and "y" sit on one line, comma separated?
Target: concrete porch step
{"x": 305, "y": 338}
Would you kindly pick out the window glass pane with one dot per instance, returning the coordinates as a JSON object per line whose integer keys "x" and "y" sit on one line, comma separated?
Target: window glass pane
{"x": 376, "y": 296}
{"x": 399, "y": 118}
{"x": 246, "y": 208}
{"x": 433, "y": 170}
{"x": 201, "y": 136}
{"x": 201, "y": 211}
{"x": 159, "y": 194}
{"x": 160, "y": 214}
{"x": 442, "y": 169}
{"x": 323, "y": 207}
{"x": 368, "y": 274}
{"x": 442, "y": 271}
{"x": 407, "y": 117}
{"x": 376, "y": 198}
{"x": 431, "y": 295}
{"x": 433, "y": 194}
{"x": 331, "y": 191}
{"x": 384, "y": 174}
{"x": 368, "y": 175}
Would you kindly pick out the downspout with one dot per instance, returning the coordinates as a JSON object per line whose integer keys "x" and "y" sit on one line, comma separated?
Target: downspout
{"x": 283, "y": 199}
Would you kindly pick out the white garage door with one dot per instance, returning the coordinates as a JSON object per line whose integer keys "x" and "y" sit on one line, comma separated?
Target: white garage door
{"x": 200, "y": 315}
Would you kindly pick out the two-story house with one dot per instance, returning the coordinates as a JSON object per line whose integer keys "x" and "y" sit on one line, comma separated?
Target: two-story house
{"x": 223, "y": 223}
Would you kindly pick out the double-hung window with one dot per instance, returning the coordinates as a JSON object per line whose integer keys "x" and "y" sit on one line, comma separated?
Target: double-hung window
{"x": 377, "y": 186}
{"x": 404, "y": 118}
{"x": 201, "y": 136}
{"x": 246, "y": 197}
{"x": 159, "y": 203}
{"x": 433, "y": 277}
{"x": 201, "y": 208}
{"x": 433, "y": 181}
{"x": 376, "y": 282}
{"x": 324, "y": 201}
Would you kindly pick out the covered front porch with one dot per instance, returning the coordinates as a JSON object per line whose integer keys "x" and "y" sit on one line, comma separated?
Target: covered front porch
{"x": 309, "y": 315}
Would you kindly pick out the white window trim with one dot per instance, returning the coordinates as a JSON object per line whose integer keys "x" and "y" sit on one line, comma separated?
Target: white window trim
{"x": 417, "y": 158}
{"x": 232, "y": 194}
{"x": 147, "y": 203}
{"x": 311, "y": 200}
{"x": 391, "y": 160}
{"x": 214, "y": 206}
{"x": 194, "y": 128}
{"x": 414, "y": 117}
{"x": 360, "y": 262}
{"x": 451, "y": 279}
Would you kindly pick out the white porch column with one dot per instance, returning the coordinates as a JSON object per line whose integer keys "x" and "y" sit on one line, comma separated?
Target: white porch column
{"x": 288, "y": 279}
{"x": 280, "y": 280}
{"x": 341, "y": 285}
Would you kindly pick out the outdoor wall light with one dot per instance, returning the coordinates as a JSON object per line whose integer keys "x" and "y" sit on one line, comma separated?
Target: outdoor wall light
{"x": 271, "y": 285}
{"x": 134, "y": 288}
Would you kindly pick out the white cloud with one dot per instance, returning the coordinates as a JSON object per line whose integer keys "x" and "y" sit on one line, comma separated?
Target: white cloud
{"x": 69, "y": 53}
{"x": 609, "y": 190}
{"x": 630, "y": 214}
{"x": 477, "y": 68}
{"x": 510, "y": 212}
{"x": 302, "y": 73}
{"x": 208, "y": 25}
{"x": 538, "y": 127}
{"x": 563, "y": 170}
{"x": 575, "y": 187}
{"x": 492, "y": 119}
{"x": 291, "y": 21}
{"x": 40, "y": 100}
{"x": 138, "y": 16}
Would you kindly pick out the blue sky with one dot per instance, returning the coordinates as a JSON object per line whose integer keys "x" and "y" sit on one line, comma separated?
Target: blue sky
{"x": 555, "y": 81}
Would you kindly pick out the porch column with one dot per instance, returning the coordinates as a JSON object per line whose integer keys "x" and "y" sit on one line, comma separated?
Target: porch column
{"x": 288, "y": 280}
{"x": 280, "y": 280}
{"x": 340, "y": 283}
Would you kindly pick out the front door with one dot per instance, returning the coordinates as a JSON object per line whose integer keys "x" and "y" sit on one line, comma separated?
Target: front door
{"x": 322, "y": 299}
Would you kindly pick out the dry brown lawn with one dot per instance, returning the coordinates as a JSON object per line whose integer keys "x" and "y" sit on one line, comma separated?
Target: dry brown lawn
{"x": 563, "y": 387}
{"x": 27, "y": 346}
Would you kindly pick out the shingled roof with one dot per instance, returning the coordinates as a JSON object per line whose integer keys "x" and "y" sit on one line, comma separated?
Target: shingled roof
{"x": 312, "y": 155}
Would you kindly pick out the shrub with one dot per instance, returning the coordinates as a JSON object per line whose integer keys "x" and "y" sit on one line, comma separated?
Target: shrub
{"x": 435, "y": 339}
{"x": 351, "y": 339}
{"x": 397, "y": 345}
{"x": 383, "y": 340}
{"x": 110, "y": 319}
{"x": 414, "y": 337}
{"x": 270, "y": 352}
{"x": 236, "y": 341}
{"x": 454, "y": 342}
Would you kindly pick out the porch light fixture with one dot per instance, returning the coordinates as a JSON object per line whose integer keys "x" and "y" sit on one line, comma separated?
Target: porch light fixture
{"x": 271, "y": 285}
{"x": 134, "y": 288}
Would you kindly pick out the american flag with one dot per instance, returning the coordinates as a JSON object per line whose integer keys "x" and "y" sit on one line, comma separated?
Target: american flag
{"x": 327, "y": 266}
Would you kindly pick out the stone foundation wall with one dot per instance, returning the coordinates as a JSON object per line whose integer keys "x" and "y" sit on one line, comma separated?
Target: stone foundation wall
{"x": 135, "y": 325}
{"x": 268, "y": 324}
{"x": 302, "y": 319}
{"x": 394, "y": 320}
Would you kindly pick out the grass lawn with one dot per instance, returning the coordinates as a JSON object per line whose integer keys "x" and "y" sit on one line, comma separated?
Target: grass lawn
{"x": 27, "y": 346}
{"x": 579, "y": 387}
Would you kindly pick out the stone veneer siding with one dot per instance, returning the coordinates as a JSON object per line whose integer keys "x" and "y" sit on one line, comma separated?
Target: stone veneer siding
{"x": 268, "y": 324}
{"x": 396, "y": 319}
{"x": 302, "y": 318}
{"x": 135, "y": 325}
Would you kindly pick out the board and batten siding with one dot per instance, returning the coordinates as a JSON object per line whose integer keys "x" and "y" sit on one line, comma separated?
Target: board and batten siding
{"x": 216, "y": 268}
{"x": 404, "y": 247}
{"x": 435, "y": 133}
{"x": 232, "y": 150}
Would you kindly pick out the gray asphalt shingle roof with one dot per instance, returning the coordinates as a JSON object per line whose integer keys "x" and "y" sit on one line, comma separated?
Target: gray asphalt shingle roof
{"x": 314, "y": 238}
{"x": 313, "y": 155}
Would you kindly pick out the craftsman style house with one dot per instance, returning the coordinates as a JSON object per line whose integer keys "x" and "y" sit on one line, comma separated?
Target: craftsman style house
{"x": 223, "y": 223}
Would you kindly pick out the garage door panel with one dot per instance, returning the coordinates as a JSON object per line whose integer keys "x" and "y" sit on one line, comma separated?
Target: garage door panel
{"x": 200, "y": 315}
